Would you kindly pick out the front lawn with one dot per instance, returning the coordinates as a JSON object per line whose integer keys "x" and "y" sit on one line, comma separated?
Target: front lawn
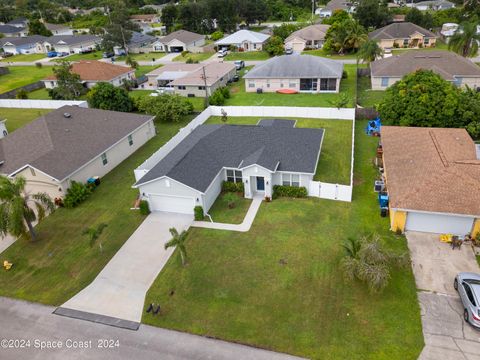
{"x": 17, "y": 118}
{"x": 143, "y": 57}
{"x": 367, "y": 97}
{"x": 439, "y": 45}
{"x": 22, "y": 75}
{"x": 323, "y": 53}
{"x": 241, "y": 97}
{"x": 279, "y": 286}
{"x": 144, "y": 69}
{"x": 61, "y": 262}
{"x": 95, "y": 55}
{"x": 194, "y": 56}
{"x": 247, "y": 56}
{"x": 24, "y": 57}
{"x": 222, "y": 213}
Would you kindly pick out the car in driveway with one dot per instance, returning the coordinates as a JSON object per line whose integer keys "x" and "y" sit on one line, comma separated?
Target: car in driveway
{"x": 222, "y": 53}
{"x": 239, "y": 64}
{"x": 468, "y": 286}
{"x": 52, "y": 54}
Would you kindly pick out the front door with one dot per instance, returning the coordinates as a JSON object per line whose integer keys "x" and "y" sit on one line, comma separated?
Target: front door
{"x": 260, "y": 183}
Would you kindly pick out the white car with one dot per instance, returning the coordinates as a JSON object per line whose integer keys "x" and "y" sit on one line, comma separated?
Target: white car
{"x": 222, "y": 53}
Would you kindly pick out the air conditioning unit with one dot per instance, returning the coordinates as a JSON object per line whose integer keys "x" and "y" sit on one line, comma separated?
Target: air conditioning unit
{"x": 379, "y": 186}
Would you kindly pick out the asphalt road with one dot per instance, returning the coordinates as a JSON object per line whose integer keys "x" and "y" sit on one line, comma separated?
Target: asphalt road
{"x": 32, "y": 326}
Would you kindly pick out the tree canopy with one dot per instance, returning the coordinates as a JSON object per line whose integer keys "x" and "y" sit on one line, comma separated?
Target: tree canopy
{"x": 108, "y": 97}
{"x": 372, "y": 13}
{"x": 69, "y": 85}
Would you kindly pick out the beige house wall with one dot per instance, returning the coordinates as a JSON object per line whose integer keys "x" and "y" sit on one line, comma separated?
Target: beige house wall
{"x": 38, "y": 182}
{"x": 200, "y": 92}
{"x": 399, "y": 43}
{"x": 377, "y": 82}
{"x": 272, "y": 85}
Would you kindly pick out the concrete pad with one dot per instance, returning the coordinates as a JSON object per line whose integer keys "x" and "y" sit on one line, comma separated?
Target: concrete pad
{"x": 471, "y": 347}
{"x": 119, "y": 290}
{"x": 435, "y": 264}
{"x": 436, "y": 353}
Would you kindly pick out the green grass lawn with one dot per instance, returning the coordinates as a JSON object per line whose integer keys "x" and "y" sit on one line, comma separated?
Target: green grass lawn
{"x": 220, "y": 212}
{"x": 323, "y": 53}
{"x": 367, "y": 97}
{"x": 439, "y": 45}
{"x": 40, "y": 94}
{"x": 279, "y": 286}
{"x": 143, "y": 57}
{"x": 247, "y": 56}
{"x": 95, "y": 55}
{"x": 241, "y": 97}
{"x": 17, "y": 118}
{"x": 198, "y": 102}
{"x": 22, "y": 75}
{"x": 335, "y": 156}
{"x": 194, "y": 56}
{"x": 61, "y": 262}
{"x": 143, "y": 69}
{"x": 24, "y": 57}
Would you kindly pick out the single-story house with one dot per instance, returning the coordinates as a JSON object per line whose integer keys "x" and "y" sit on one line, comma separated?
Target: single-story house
{"x": 72, "y": 144}
{"x": 92, "y": 72}
{"x": 433, "y": 179}
{"x": 158, "y": 8}
{"x": 72, "y": 44}
{"x": 403, "y": 35}
{"x": 335, "y": 5}
{"x": 23, "y": 45}
{"x": 448, "y": 29}
{"x": 13, "y": 31}
{"x": 259, "y": 156}
{"x": 139, "y": 43}
{"x": 181, "y": 40}
{"x": 20, "y": 22}
{"x": 189, "y": 79}
{"x": 310, "y": 37}
{"x": 303, "y": 73}
{"x": 244, "y": 40}
{"x": 145, "y": 18}
{"x": 59, "y": 29}
{"x": 434, "y": 5}
{"x": 449, "y": 65}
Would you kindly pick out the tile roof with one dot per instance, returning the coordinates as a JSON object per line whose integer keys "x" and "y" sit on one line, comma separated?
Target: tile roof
{"x": 58, "y": 145}
{"x": 92, "y": 70}
{"x": 401, "y": 30}
{"x": 187, "y": 37}
{"x": 241, "y": 36}
{"x": 312, "y": 32}
{"x": 445, "y": 63}
{"x": 206, "y": 150}
{"x": 296, "y": 66}
{"x": 431, "y": 169}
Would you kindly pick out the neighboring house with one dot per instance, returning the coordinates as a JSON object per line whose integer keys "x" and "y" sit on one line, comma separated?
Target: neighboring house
{"x": 396, "y": 18}
{"x": 139, "y": 43}
{"x": 273, "y": 152}
{"x": 302, "y": 73}
{"x": 403, "y": 35}
{"x": 181, "y": 40}
{"x": 20, "y": 22}
{"x": 23, "y": 45}
{"x": 335, "y": 5}
{"x": 92, "y": 72}
{"x": 450, "y": 66}
{"x": 448, "y": 29}
{"x": 434, "y": 5}
{"x": 145, "y": 18}
{"x": 59, "y": 29}
{"x": 72, "y": 44}
{"x": 190, "y": 79}
{"x": 310, "y": 37}
{"x": 244, "y": 40}
{"x": 433, "y": 180}
{"x": 158, "y": 8}
{"x": 72, "y": 144}
{"x": 13, "y": 31}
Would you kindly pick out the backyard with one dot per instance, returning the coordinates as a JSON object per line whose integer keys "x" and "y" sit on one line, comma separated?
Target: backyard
{"x": 367, "y": 97}
{"x": 16, "y": 118}
{"x": 279, "y": 285}
{"x": 247, "y": 56}
{"x": 22, "y": 75}
{"x": 24, "y": 57}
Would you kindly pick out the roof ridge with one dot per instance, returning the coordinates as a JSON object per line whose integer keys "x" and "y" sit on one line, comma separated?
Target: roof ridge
{"x": 440, "y": 153}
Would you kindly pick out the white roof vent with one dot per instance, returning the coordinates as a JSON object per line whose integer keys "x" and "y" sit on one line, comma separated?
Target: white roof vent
{"x": 67, "y": 115}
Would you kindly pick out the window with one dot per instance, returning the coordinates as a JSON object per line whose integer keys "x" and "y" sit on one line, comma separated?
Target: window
{"x": 234, "y": 176}
{"x": 405, "y": 42}
{"x": 130, "y": 140}
{"x": 181, "y": 87}
{"x": 469, "y": 293}
{"x": 281, "y": 85}
{"x": 426, "y": 41}
{"x": 254, "y": 46}
{"x": 286, "y": 179}
{"x": 201, "y": 88}
{"x": 292, "y": 85}
{"x": 104, "y": 159}
{"x": 251, "y": 84}
{"x": 328, "y": 84}
{"x": 458, "y": 81}
{"x": 308, "y": 84}
{"x": 291, "y": 180}
{"x": 384, "y": 81}
{"x": 295, "y": 180}
{"x": 32, "y": 170}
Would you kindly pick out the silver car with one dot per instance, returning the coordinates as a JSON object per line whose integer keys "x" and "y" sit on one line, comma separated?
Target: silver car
{"x": 468, "y": 287}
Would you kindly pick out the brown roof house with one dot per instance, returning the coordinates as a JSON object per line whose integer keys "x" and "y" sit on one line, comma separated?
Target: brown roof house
{"x": 181, "y": 40}
{"x": 310, "y": 37}
{"x": 450, "y": 66}
{"x": 433, "y": 179}
{"x": 92, "y": 72}
{"x": 403, "y": 35}
{"x": 145, "y": 18}
{"x": 72, "y": 144}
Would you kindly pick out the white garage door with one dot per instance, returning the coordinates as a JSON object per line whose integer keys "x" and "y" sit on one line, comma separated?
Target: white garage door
{"x": 176, "y": 204}
{"x": 441, "y": 224}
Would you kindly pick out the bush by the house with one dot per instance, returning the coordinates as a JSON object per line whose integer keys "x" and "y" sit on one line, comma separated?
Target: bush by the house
{"x": 38, "y": 65}
{"x": 166, "y": 107}
{"x": 217, "y": 98}
{"x": 228, "y": 186}
{"x": 217, "y": 35}
{"x": 105, "y": 96}
{"x": 76, "y": 194}
{"x": 289, "y": 191}
{"x": 144, "y": 208}
{"x": 225, "y": 92}
{"x": 198, "y": 213}
{"x": 21, "y": 94}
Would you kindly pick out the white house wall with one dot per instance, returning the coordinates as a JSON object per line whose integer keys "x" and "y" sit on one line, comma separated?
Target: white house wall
{"x": 213, "y": 191}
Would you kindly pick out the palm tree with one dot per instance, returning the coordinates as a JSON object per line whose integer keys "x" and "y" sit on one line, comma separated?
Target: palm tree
{"x": 369, "y": 51}
{"x": 130, "y": 61}
{"x": 465, "y": 40}
{"x": 94, "y": 233}
{"x": 16, "y": 214}
{"x": 178, "y": 240}
{"x": 356, "y": 35}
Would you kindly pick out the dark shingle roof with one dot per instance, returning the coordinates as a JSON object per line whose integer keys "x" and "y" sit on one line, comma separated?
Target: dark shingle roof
{"x": 10, "y": 29}
{"x": 139, "y": 39}
{"x": 277, "y": 122}
{"x": 72, "y": 39}
{"x": 197, "y": 160}
{"x": 58, "y": 145}
{"x": 399, "y": 31}
{"x": 187, "y": 37}
{"x": 19, "y": 41}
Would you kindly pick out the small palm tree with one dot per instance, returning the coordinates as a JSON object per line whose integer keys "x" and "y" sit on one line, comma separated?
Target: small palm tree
{"x": 16, "y": 212}
{"x": 94, "y": 233}
{"x": 178, "y": 240}
{"x": 131, "y": 62}
{"x": 369, "y": 51}
{"x": 465, "y": 40}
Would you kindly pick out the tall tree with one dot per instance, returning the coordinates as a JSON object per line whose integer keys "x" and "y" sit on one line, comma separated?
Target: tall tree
{"x": 465, "y": 40}
{"x": 369, "y": 51}
{"x": 345, "y": 36}
{"x": 420, "y": 18}
{"x": 118, "y": 31}
{"x": 178, "y": 241}
{"x": 35, "y": 27}
{"x": 19, "y": 209}
{"x": 372, "y": 13}
{"x": 105, "y": 96}
{"x": 169, "y": 15}
{"x": 69, "y": 85}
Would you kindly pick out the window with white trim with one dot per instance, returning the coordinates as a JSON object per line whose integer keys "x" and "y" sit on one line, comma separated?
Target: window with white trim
{"x": 182, "y": 87}
{"x": 251, "y": 84}
{"x": 291, "y": 180}
{"x": 234, "y": 176}
{"x": 130, "y": 140}
{"x": 104, "y": 159}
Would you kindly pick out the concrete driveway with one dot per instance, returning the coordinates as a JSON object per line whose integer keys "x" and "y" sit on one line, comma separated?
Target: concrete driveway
{"x": 119, "y": 290}
{"x": 435, "y": 264}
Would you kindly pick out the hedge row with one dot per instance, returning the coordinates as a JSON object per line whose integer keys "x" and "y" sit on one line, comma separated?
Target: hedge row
{"x": 289, "y": 191}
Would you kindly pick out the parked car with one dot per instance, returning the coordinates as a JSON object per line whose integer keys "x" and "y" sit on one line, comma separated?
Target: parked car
{"x": 235, "y": 78}
{"x": 86, "y": 51}
{"x": 468, "y": 287}
{"x": 52, "y": 54}
{"x": 108, "y": 54}
{"x": 288, "y": 51}
{"x": 222, "y": 53}
{"x": 62, "y": 54}
{"x": 240, "y": 64}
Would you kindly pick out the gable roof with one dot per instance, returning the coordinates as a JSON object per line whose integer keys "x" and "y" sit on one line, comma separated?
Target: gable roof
{"x": 144, "y": 16}
{"x": 92, "y": 70}
{"x": 10, "y": 29}
{"x": 186, "y": 37}
{"x": 140, "y": 39}
{"x": 213, "y": 73}
{"x": 241, "y": 36}
{"x": 59, "y": 146}
{"x": 399, "y": 31}
{"x": 18, "y": 21}
{"x": 445, "y": 63}
{"x": 19, "y": 41}
{"x": 72, "y": 39}
{"x": 312, "y": 32}
{"x": 197, "y": 160}
{"x": 56, "y": 27}
{"x": 338, "y": 5}
{"x": 431, "y": 169}
{"x": 296, "y": 66}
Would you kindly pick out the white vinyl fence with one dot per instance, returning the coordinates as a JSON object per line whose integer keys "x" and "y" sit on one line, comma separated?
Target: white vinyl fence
{"x": 39, "y": 104}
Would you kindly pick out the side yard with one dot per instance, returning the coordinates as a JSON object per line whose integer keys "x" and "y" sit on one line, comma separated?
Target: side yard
{"x": 367, "y": 97}
{"x": 21, "y": 76}
{"x": 16, "y": 118}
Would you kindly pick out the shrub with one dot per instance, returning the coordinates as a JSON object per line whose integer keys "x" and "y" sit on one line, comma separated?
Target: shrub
{"x": 38, "y": 65}
{"x": 144, "y": 208}
{"x": 76, "y": 194}
{"x": 217, "y": 35}
{"x": 185, "y": 53}
{"x": 228, "y": 186}
{"x": 225, "y": 92}
{"x": 166, "y": 107}
{"x": 198, "y": 213}
{"x": 289, "y": 191}
{"x": 189, "y": 60}
{"x": 345, "y": 74}
{"x": 21, "y": 94}
{"x": 217, "y": 98}
{"x": 231, "y": 199}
